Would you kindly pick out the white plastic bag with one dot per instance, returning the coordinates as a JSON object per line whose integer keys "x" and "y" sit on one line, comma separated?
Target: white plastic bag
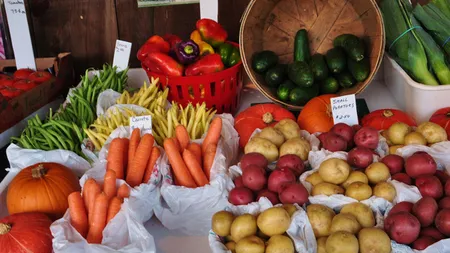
{"x": 20, "y": 158}
{"x": 300, "y": 230}
{"x": 123, "y": 233}
{"x": 439, "y": 151}
{"x": 190, "y": 210}
{"x": 105, "y": 100}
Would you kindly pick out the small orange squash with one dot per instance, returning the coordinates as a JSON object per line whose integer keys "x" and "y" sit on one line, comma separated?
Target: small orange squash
{"x": 42, "y": 187}
{"x": 316, "y": 115}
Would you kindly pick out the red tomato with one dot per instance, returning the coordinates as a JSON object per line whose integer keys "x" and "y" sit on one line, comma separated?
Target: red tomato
{"x": 10, "y": 92}
{"x": 5, "y": 77}
{"x": 384, "y": 118}
{"x": 442, "y": 118}
{"x": 24, "y": 85}
{"x": 22, "y": 73}
{"x": 40, "y": 76}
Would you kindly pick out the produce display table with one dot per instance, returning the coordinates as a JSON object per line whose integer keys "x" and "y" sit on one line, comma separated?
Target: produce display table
{"x": 377, "y": 96}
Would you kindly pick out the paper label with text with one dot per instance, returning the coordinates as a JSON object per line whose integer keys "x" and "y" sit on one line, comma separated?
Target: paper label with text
{"x": 122, "y": 54}
{"x": 344, "y": 110}
{"x": 20, "y": 34}
{"x": 209, "y": 9}
{"x": 142, "y": 122}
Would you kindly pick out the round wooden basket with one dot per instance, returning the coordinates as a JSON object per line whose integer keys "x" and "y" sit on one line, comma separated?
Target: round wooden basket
{"x": 272, "y": 25}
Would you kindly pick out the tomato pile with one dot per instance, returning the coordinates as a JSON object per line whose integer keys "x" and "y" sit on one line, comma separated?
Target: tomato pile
{"x": 21, "y": 81}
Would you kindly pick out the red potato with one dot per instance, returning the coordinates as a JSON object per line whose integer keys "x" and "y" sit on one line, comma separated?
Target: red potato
{"x": 238, "y": 182}
{"x": 254, "y": 177}
{"x": 272, "y": 196}
{"x": 447, "y": 188}
{"x": 293, "y": 162}
{"x": 334, "y": 143}
{"x": 432, "y": 232}
{"x": 241, "y": 196}
{"x": 425, "y": 211}
{"x": 402, "y": 227}
{"x": 423, "y": 242}
{"x": 322, "y": 137}
{"x": 444, "y": 203}
{"x": 430, "y": 186}
{"x": 253, "y": 159}
{"x": 442, "y": 176}
{"x": 395, "y": 163}
{"x": 344, "y": 131}
{"x": 280, "y": 177}
{"x": 360, "y": 157}
{"x": 442, "y": 222}
{"x": 402, "y": 177}
{"x": 294, "y": 193}
{"x": 420, "y": 164}
{"x": 403, "y": 206}
{"x": 356, "y": 128}
{"x": 367, "y": 137}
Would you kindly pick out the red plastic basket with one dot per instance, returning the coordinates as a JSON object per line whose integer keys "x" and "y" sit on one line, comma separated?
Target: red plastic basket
{"x": 220, "y": 90}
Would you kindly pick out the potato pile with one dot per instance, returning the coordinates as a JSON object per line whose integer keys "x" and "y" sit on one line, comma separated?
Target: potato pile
{"x": 350, "y": 231}
{"x": 264, "y": 233}
{"x": 282, "y": 139}
{"x": 278, "y": 186}
{"x": 400, "y": 134}
{"x": 420, "y": 224}
{"x": 335, "y": 176}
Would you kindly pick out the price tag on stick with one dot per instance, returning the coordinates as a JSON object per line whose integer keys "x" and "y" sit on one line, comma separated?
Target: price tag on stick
{"x": 20, "y": 34}
{"x": 122, "y": 54}
{"x": 209, "y": 9}
{"x": 142, "y": 122}
{"x": 344, "y": 110}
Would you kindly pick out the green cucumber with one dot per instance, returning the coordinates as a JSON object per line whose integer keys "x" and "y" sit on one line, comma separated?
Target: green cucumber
{"x": 336, "y": 60}
{"x": 319, "y": 67}
{"x": 300, "y": 73}
{"x": 263, "y": 61}
{"x": 301, "y": 46}
{"x": 284, "y": 89}
{"x": 359, "y": 70}
{"x": 352, "y": 45}
{"x": 301, "y": 96}
{"x": 276, "y": 75}
{"x": 329, "y": 86}
{"x": 345, "y": 79}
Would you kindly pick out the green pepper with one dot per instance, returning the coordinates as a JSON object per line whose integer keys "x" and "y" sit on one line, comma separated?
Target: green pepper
{"x": 229, "y": 54}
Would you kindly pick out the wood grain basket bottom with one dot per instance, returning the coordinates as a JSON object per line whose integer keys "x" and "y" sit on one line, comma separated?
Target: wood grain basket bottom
{"x": 220, "y": 90}
{"x": 272, "y": 25}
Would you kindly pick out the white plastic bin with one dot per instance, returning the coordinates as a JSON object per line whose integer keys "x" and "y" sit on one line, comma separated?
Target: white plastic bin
{"x": 418, "y": 100}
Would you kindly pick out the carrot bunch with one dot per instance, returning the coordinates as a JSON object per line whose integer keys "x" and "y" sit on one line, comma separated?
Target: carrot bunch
{"x": 133, "y": 159}
{"x": 191, "y": 162}
{"x": 91, "y": 211}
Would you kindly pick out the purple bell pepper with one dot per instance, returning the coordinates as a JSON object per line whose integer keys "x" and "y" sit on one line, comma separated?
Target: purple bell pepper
{"x": 187, "y": 52}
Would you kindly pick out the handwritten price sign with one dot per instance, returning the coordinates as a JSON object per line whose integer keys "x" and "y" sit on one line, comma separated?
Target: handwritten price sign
{"x": 122, "y": 54}
{"x": 344, "y": 110}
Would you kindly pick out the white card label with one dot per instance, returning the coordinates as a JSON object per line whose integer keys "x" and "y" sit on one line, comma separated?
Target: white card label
{"x": 122, "y": 54}
{"x": 20, "y": 34}
{"x": 209, "y": 9}
{"x": 142, "y": 122}
{"x": 344, "y": 110}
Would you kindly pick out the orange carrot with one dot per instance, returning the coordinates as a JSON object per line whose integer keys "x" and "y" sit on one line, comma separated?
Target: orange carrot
{"x": 177, "y": 144}
{"x": 109, "y": 183}
{"x": 182, "y": 136}
{"x": 197, "y": 150}
{"x": 78, "y": 214}
{"x": 114, "y": 207}
{"x": 179, "y": 168}
{"x": 213, "y": 134}
{"x": 134, "y": 142}
{"x": 95, "y": 234}
{"x": 116, "y": 156}
{"x": 94, "y": 191}
{"x": 136, "y": 171}
{"x": 194, "y": 168}
{"x": 208, "y": 159}
{"x": 123, "y": 191}
{"x": 156, "y": 153}
{"x": 86, "y": 189}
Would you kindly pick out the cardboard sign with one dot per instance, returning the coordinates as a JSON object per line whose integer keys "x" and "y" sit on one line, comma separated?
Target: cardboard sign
{"x": 209, "y": 9}
{"x": 20, "y": 34}
{"x": 344, "y": 110}
{"x": 141, "y": 122}
{"x": 122, "y": 54}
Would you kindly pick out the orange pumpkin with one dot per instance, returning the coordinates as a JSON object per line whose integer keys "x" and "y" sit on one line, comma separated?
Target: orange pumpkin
{"x": 258, "y": 116}
{"x": 42, "y": 187}
{"x": 316, "y": 115}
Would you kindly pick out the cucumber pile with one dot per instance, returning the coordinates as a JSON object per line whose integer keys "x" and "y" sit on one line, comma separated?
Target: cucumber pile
{"x": 310, "y": 75}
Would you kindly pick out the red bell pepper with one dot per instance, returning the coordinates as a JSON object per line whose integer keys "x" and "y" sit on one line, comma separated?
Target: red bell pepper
{"x": 172, "y": 39}
{"x": 163, "y": 64}
{"x": 153, "y": 44}
{"x": 208, "y": 64}
{"x": 211, "y": 32}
